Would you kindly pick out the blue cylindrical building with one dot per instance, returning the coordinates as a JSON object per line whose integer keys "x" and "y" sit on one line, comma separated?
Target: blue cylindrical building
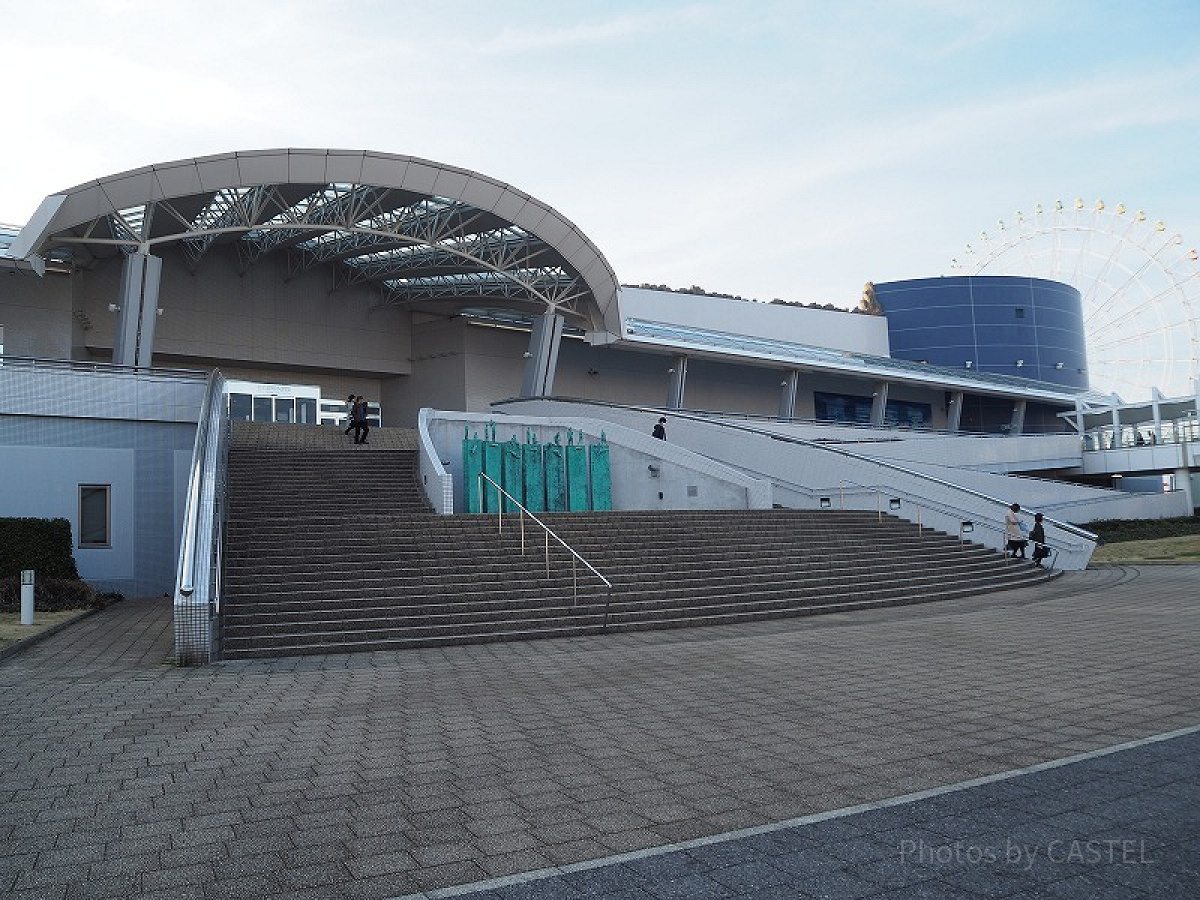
{"x": 1007, "y": 324}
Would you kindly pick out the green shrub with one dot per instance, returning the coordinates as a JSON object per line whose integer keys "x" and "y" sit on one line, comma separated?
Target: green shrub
{"x": 1114, "y": 531}
{"x": 43, "y": 545}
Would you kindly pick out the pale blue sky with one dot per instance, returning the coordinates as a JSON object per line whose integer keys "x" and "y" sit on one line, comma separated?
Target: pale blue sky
{"x": 774, "y": 149}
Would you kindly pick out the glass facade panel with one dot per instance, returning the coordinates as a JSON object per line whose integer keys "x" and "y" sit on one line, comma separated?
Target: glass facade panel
{"x": 241, "y": 408}
{"x": 841, "y": 408}
{"x": 263, "y": 409}
{"x": 306, "y": 411}
{"x": 908, "y": 414}
{"x": 285, "y": 409}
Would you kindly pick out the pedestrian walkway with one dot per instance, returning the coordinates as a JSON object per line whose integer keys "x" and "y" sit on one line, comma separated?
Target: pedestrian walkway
{"x": 465, "y": 769}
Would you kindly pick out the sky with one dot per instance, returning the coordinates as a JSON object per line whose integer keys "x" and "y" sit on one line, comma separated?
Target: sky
{"x": 790, "y": 150}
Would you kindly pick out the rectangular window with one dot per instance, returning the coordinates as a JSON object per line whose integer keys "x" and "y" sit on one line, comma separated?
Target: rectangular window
{"x": 94, "y": 525}
{"x": 241, "y": 407}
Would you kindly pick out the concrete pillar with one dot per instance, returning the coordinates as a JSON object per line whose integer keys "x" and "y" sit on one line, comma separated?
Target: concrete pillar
{"x": 1116, "y": 423}
{"x": 954, "y": 411}
{"x": 678, "y": 384}
{"x": 541, "y": 359}
{"x": 787, "y": 394}
{"x": 1183, "y": 481}
{"x": 879, "y": 403}
{"x": 141, "y": 275}
{"x": 1017, "y": 426}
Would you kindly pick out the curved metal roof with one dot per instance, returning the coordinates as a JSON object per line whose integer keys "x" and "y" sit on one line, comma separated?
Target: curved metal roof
{"x": 425, "y": 233}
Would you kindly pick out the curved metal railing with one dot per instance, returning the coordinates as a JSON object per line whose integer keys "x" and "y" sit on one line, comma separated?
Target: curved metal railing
{"x": 198, "y": 578}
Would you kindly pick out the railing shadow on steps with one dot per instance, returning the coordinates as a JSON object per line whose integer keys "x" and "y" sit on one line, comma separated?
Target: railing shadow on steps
{"x": 548, "y": 533}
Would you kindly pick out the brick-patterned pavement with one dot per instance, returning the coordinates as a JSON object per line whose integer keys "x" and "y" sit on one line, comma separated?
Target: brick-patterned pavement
{"x": 389, "y": 774}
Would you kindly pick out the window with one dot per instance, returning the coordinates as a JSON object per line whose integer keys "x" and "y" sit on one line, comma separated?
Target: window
{"x": 241, "y": 408}
{"x": 94, "y": 515}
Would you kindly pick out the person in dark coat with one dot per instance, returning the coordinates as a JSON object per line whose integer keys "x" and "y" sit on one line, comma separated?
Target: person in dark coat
{"x": 1037, "y": 534}
{"x": 660, "y": 429}
{"x": 349, "y": 414}
{"x": 361, "y": 428}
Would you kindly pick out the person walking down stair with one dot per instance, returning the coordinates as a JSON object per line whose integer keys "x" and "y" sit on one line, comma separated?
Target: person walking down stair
{"x": 1037, "y": 534}
{"x": 349, "y": 414}
{"x": 1014, "y": 532}
{"x": 359, "y": 418}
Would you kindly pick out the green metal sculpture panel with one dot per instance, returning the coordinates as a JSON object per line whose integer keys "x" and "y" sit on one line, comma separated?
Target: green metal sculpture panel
{"x": 556, "y": 482}
{"x": 577, "y": 475}
{"x": 601, "y": 475}
{"x": 493, "y": 467}
{"x": 535, "y": 475}
{"x": 472, "y": 466}
{"x": 511, "y": 465}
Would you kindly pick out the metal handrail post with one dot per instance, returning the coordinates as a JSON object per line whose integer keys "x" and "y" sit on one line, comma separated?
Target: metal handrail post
{"x": 575, "y": 557}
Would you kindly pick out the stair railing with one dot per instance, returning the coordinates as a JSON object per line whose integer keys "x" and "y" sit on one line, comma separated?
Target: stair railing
{"x": 198, "y": 579}
{"x": 548, "y": 533}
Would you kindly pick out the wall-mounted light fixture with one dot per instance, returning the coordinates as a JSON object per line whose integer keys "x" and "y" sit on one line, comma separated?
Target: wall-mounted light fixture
{"x": 1058, "y": 365}
{"x": 826, "y": 503}
{"x": 894, "y": 503}
{"x": 113, "y": 307}
{"x": 526, "y": 354}
{"x": 969, "y": 364}
{"x": 1020, "y": 363}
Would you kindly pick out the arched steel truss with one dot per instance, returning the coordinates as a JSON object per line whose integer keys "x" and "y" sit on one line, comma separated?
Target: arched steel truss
{"x": 414, "y": 245}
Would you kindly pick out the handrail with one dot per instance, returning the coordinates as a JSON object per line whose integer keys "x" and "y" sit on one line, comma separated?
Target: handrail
{"x": 716, "y": 414}
{"x": 42, "y": 362}
{"x": 191, "y": 508}
{"x": 549, "y": 534}
{"x": 945, "y": 509}
{"x": 198, "y": 580}
{"x": 850, "y": 454}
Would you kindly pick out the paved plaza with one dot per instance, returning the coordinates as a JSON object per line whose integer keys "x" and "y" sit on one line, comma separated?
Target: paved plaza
{"x": 800, "y": 758}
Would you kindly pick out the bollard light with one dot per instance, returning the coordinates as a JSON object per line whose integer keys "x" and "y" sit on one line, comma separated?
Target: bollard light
{"x": 27, "y": 596}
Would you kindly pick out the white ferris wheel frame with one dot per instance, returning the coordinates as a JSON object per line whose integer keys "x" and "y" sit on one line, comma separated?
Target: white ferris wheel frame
{"x": 1113, "y": 258}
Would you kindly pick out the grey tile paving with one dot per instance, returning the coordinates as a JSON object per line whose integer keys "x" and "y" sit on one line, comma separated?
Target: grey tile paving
{"x": 388, "y": 774}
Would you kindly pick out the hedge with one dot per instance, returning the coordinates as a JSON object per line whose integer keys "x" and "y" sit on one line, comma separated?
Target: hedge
{"x": 43, "y": 545}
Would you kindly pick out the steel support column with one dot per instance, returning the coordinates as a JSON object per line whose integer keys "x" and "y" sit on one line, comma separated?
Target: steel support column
{"x": 954, "y": 411}
{"x": 675, "y": 391}
{"x": 1017, "y": 425}
{"x": 787, "y": 395}
{"x": 879, "y": 404}
{"x": 141, "y": 275}
{"x": 541, "y": 359}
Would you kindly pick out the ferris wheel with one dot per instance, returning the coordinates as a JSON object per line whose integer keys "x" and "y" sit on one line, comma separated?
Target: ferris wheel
{"x": 1139, "y": 284}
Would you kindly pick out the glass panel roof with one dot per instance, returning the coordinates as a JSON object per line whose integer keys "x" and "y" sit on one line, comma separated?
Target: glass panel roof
{"x": 844, "y": 360}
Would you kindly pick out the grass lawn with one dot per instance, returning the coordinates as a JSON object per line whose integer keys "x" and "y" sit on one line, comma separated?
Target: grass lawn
{"x": 11, "y": 629}
{"x": 1169, "y": 549}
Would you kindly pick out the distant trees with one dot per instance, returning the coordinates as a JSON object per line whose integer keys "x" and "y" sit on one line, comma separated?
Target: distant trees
{"x": 701, "y": 292}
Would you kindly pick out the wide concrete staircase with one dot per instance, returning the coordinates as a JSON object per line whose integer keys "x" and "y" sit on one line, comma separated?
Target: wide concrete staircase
{"x": 331, "y": 547}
